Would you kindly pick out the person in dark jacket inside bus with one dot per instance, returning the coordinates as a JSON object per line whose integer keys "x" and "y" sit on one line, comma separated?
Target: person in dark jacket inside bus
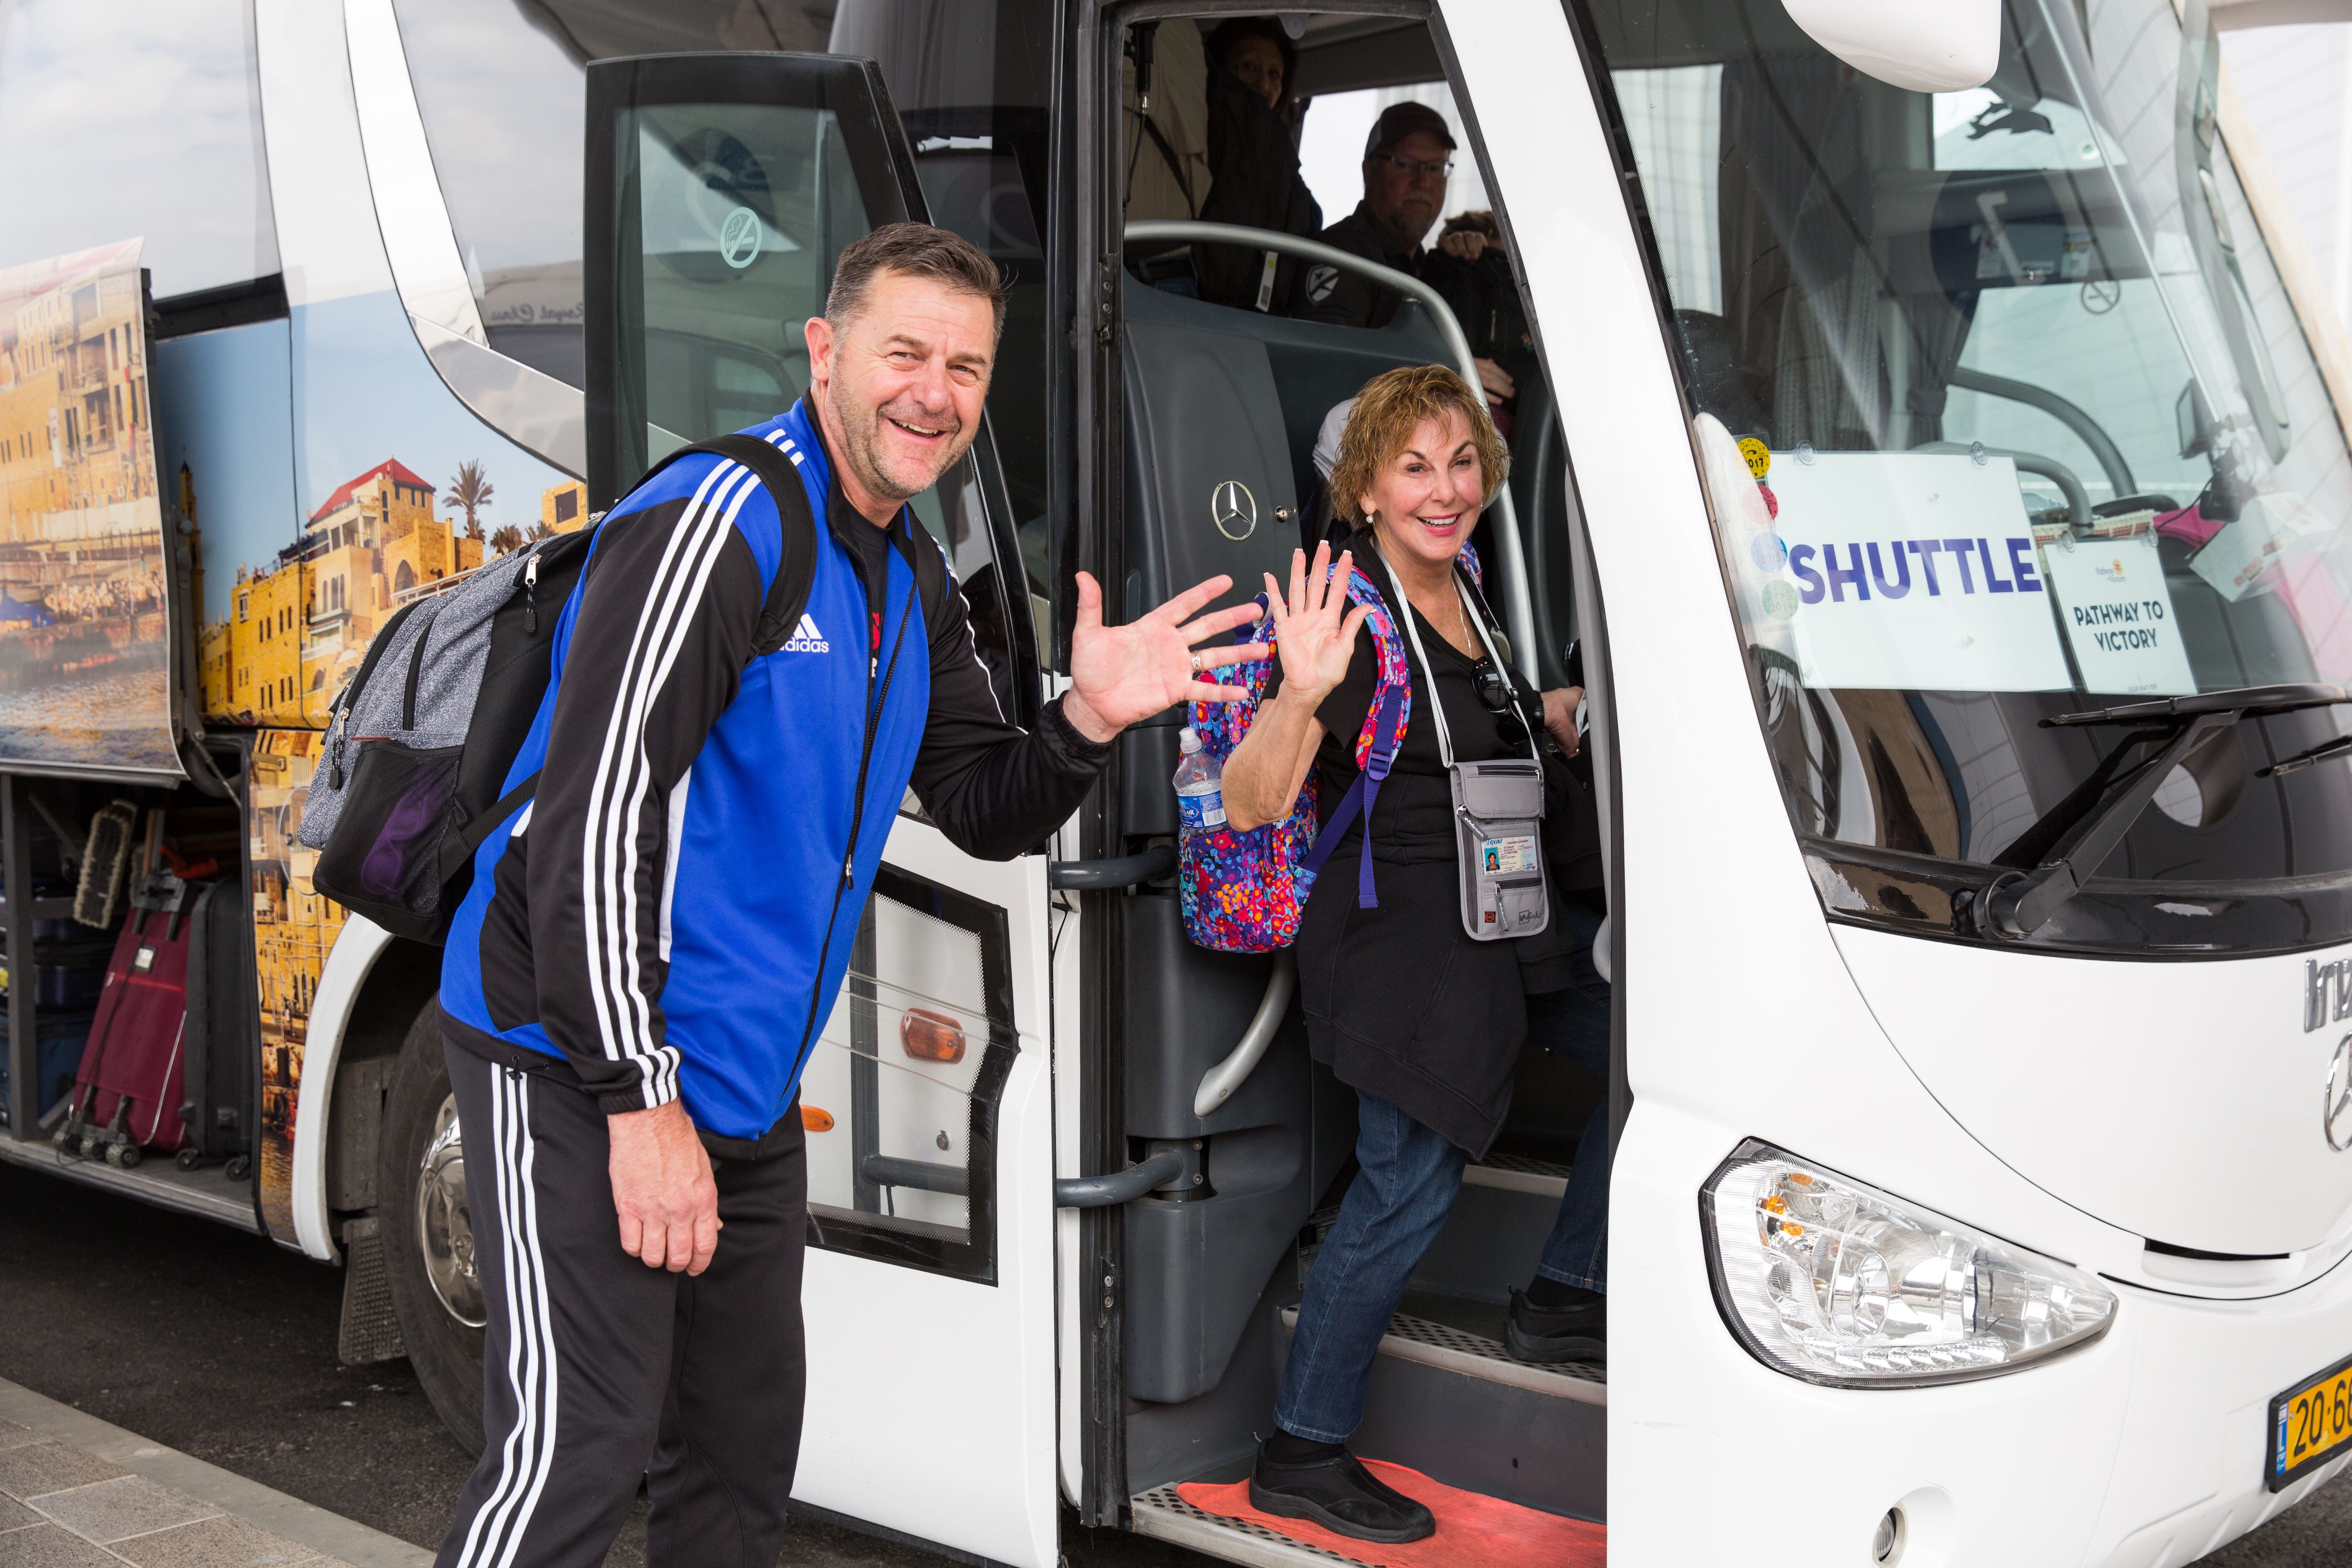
{"x": 1422, "y": 1022}
{"x": 1471, "y": 269}
{"x": 1408, "y": 159}
{"x": 637, "y": 976}
{"x": 1254, "y": 158}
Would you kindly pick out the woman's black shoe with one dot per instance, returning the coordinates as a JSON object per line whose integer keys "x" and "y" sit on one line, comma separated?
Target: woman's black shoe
{"x": 1340, "y": 1495}
{"x": 1579, "y": 1332}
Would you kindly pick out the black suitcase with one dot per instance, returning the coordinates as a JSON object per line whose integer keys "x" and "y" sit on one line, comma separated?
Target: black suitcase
{"x": 222, "y": 1035}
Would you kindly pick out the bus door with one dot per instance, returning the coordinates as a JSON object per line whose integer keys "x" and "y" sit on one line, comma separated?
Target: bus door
{"x": 721, "y": 190}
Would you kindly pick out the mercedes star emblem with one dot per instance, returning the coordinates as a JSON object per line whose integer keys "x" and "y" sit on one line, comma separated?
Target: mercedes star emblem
{"x": 1233, "y": 510}
{"x": 2335, "y": 1114}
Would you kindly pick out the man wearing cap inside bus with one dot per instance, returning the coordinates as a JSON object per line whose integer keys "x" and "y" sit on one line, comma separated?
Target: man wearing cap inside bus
{"x": 1408, "y": 158}
{"x": 648, "y": 950}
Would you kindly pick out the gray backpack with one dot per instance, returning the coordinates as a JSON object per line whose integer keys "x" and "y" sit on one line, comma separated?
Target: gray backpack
{"x": 420, "y": 743}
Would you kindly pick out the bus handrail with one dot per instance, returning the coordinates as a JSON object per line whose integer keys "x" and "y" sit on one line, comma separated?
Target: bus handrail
{"x": 1115, "y": 1188}
{"x": 2078, "y": 500}
{"x": 1218, "y": 1084}
{"x": 1518, "y": 603}
{"x": 2075, "y": 418}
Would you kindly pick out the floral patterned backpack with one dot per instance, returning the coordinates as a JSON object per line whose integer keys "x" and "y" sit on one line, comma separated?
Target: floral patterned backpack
{"x": 1244, "y": 892}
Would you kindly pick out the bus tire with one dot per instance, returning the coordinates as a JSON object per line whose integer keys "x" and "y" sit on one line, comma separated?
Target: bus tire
{"x": 428, "y": 1243}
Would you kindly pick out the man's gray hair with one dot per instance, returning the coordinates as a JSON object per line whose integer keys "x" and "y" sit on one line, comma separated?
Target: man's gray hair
{"x": 916, "y": 250}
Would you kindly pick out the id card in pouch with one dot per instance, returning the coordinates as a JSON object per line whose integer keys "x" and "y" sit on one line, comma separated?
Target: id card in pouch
{"x": 1498, "y": 809}
{"x": 1498, "y": 825}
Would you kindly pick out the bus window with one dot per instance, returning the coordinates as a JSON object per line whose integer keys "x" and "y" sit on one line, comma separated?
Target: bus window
{"x": 168, "y": 148}
{"x": 2005, "y": 417}
{"x": 498, "y": 87}
{"x": 500, "y": 90}
{"x": 899, "y": 1097}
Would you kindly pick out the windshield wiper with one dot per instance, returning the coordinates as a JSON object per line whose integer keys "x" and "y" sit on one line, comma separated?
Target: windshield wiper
{"x": 2340, "y": 746}
{"x": 2074, "y": 838}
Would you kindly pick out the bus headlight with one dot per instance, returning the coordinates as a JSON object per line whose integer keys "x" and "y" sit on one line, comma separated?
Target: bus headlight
{"x": 1837, "y": 1283}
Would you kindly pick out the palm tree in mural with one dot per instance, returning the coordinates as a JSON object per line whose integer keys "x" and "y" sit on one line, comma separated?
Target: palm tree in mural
{"x": 507, "y": 539}
{"x": 471, "y": 490}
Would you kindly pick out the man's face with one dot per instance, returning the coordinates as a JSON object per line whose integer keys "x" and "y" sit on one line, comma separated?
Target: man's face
{"x": 904, "y": 379}
{"x": 1406, "y": 185}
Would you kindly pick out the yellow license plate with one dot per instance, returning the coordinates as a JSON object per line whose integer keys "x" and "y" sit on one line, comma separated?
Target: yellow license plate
{"x": 2311, "y": 1424}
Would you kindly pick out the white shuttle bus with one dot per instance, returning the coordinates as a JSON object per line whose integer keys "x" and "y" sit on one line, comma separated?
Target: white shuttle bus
{"x": 1940, "y": 480}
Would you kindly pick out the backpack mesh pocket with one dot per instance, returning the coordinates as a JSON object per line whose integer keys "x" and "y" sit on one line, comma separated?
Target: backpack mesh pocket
{"x": 411, "y": 796}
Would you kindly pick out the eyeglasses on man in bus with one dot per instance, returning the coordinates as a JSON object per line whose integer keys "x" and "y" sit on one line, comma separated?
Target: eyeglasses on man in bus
{"x": 1427, "y": 168}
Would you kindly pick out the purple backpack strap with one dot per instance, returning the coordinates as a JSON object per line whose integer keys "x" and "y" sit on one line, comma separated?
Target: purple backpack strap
{"x": 1359, "y": 798}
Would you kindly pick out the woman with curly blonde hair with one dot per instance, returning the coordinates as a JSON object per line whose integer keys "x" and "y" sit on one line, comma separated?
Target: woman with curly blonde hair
{"x": 1423, "y": 1022}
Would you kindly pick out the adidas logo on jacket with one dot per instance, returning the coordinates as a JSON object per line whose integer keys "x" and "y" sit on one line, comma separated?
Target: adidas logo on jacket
{"x": 806, "y": 638}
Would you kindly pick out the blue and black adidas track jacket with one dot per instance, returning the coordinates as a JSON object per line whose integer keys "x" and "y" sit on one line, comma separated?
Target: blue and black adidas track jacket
{"x": 673, "y": 913}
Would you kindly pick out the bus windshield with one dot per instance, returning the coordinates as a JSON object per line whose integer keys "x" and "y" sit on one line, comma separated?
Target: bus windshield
{"x": 2003, "y": 412}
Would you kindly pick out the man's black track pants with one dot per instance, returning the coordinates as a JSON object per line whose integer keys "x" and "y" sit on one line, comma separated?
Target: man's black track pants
{"x": 598, "y": 1371}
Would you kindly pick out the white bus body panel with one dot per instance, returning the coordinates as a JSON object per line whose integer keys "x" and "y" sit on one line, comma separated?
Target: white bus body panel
{"x": 1743, "y": 1020}
{"x": 931, "y": 1400}
{"x": 357, "y": 947}
{"x": 328, "y": 244}
{"x": 2181, "y": 1100}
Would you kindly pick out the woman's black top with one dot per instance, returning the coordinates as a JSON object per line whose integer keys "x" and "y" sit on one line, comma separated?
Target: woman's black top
{"x": 1400, "y": 1002}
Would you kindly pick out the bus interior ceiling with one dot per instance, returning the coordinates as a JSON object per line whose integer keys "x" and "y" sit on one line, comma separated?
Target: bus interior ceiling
{"x": 178, "y": 830}
{"x": 1213, "y": 393}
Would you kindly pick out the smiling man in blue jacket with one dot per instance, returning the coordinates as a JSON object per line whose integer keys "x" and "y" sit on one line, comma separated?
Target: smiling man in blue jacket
{"x": 649, "y": 950}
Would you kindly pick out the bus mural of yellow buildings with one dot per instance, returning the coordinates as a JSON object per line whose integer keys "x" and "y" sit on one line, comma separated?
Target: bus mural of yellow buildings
{"x": 300, "y": 624}
{"x": 297, "y": 628}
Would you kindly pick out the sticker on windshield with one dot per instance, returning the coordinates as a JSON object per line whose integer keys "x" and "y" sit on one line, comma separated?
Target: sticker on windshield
{"x": 2118, "y": 616}
{"x": 739, "y": 239}
{"x": 1757, "y": 455}
{"x": 1916, "y": 570}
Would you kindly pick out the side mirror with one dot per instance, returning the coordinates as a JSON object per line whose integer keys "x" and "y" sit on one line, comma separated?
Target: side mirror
{"x": 1926, "y": 45}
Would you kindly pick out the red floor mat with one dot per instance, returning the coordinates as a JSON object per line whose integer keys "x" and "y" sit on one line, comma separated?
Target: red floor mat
{"x": 1472, "y": 1530}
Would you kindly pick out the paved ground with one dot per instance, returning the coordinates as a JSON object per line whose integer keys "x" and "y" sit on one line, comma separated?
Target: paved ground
{"x": 60, "y": 1506}
{"x": 80, "y": 1493}
{"x": 221, "y": 1345}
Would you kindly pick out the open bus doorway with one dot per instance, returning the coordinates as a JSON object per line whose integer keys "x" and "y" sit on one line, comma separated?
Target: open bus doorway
{"x": 1234, "y": 354}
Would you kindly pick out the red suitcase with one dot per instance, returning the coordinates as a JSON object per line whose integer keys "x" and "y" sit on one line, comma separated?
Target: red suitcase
{"x": 128, "y": 1093}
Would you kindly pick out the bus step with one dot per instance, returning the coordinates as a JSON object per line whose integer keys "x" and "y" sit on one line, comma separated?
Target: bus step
{"x": 1164, "y": 1515}
{"x": 1460, "y": 1409}
{"x": 1519, "y": 1173}
{"x": 1474, "y": 1355}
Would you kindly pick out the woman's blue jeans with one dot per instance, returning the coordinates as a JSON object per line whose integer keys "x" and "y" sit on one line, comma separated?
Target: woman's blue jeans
{"x": 1393, "y": 1210}
{"x": 1405, "y": 1184}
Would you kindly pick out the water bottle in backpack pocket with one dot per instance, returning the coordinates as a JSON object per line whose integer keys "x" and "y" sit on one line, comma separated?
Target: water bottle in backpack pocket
{"x": 1199, "y": 788}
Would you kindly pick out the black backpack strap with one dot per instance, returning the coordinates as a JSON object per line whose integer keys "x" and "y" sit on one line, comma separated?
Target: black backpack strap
{"x": 788, "y": 593}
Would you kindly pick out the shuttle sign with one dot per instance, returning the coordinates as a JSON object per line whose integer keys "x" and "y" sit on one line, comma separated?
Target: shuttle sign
{"x": 1915, "y": 571}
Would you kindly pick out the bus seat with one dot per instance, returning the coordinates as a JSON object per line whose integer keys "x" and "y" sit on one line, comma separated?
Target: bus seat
{"x": 1311, "y": 365}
